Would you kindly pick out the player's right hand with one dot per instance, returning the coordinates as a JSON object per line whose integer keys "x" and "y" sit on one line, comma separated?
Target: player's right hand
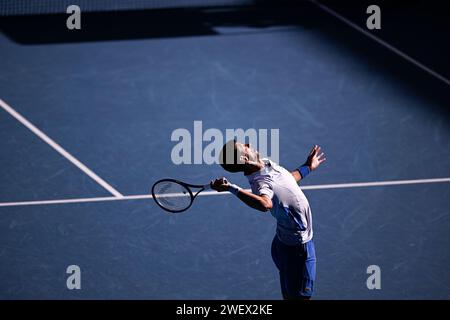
{"x": 220, "y": 184}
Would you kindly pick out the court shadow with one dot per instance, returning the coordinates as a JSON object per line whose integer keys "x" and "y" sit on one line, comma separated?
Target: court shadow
{"x": 145, "y": 24}
{"x": 417, "y": 29}
{"x": 427, "y": 44}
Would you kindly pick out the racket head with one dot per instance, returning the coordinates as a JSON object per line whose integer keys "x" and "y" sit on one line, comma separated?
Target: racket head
{"x": 172, "y": 195}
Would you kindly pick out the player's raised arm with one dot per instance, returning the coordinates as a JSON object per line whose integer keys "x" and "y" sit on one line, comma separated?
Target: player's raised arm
{"x": 314, "y": 160}
{"x": 261, "y": 203}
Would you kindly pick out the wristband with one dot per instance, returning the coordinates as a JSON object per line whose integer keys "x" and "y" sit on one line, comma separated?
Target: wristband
{"x": 304, "y": 171}
{"x": 234, "y": 189}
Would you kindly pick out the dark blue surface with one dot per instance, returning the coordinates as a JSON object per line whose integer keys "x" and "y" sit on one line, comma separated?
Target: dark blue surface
{"x": 114, "y": 105}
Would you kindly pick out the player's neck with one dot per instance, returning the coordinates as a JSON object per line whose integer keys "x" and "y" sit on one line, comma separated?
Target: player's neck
{"x": 253, "y": 168}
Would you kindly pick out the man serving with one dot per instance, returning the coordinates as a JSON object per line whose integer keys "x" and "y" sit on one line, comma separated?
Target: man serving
{"x": 276, "y": 189}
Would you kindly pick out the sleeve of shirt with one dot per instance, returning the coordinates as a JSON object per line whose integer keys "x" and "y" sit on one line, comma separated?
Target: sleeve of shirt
{"x": 264, "y": 187}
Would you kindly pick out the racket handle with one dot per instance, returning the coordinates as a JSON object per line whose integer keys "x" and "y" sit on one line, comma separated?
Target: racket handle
{"x": 207, "y": 186}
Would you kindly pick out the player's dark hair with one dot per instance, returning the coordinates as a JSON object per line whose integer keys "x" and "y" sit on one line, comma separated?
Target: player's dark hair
{"x": 228, "y": 157}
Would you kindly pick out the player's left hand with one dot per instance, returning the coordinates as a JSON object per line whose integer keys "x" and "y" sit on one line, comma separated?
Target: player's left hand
{"x": 315, "y": 158}
{"x": 220, "y": 184}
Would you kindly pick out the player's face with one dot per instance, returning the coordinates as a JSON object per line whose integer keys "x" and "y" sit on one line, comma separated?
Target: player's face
{"x": 247, "y": 151}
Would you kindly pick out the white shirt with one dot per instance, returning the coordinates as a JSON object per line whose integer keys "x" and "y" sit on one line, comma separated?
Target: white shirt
{"x": 289, "y": 205}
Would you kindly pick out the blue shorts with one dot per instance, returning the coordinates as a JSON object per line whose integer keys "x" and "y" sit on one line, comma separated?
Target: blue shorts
{"x": 297, "y": 266}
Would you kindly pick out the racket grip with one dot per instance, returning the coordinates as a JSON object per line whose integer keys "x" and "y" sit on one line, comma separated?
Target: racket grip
{"x": 208, "y": 186}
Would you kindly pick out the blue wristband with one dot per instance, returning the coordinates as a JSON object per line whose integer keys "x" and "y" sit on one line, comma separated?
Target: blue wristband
{"x": 304, "y": 171}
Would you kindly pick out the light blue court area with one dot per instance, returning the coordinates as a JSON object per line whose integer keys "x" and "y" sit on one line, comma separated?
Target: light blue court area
{"x": 112, "y": 104}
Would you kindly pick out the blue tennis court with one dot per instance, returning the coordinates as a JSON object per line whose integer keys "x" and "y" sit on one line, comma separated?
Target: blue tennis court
{"x": 86, "y": 121}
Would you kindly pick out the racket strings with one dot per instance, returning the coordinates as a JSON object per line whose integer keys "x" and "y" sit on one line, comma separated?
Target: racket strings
{"x": 172, "y": 196}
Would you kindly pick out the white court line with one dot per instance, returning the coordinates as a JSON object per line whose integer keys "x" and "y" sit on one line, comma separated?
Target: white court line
{"x": 214, "y": 193}
{"x": 382, "y": 42}
{"x": 58, "y": 148}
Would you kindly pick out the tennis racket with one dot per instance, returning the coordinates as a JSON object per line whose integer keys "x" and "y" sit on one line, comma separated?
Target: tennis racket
{"x": 175, "y": 196}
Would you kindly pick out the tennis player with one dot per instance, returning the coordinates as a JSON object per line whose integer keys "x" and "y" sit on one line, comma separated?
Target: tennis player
{"x": 276, "y": 189}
